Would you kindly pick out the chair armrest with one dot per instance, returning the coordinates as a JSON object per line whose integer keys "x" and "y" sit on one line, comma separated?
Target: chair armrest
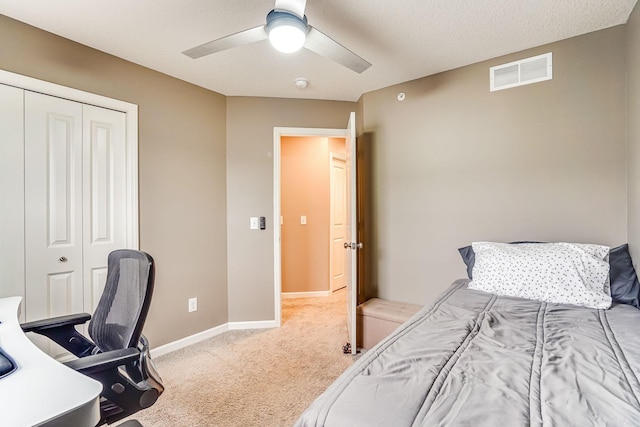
{"x": 55, "y": 322}
{"x": 104, "y": 361}
{"x": 62, "y": 330}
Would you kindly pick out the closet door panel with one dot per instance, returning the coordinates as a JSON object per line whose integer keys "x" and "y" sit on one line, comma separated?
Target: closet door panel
{"x": 12, "y": 193}
{"x": 105, "y": 195}
{"x": 53, "y": 206}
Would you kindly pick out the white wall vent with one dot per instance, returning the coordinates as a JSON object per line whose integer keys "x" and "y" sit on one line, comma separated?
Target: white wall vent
{"x": 518, "y": 73}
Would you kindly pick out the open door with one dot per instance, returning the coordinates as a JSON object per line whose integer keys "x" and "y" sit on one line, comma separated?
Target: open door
{"x": 351, "y": 245}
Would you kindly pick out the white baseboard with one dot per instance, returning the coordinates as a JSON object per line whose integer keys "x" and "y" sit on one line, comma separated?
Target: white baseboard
{"x": 210, "y": 333}
{"x": 305, "y": 294}
{"x": 190, "y": 340}
{"x": 260, "y": 324}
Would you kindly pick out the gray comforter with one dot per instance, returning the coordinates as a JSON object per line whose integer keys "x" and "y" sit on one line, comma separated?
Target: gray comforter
{"x": 476, "y": 359}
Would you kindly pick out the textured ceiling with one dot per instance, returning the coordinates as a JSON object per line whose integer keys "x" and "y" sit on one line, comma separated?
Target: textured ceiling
{"x": 403, "y": 40}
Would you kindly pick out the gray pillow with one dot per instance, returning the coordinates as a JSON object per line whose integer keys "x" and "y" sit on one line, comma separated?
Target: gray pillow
{"x": 469, "y": 258}
{"x": 625, "y": 288}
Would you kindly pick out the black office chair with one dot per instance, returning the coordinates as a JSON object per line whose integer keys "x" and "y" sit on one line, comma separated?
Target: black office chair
{"x": 118, "y": 356}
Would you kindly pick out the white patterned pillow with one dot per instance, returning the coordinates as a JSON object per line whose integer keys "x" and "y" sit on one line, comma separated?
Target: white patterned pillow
{"x": 564, "y": 273}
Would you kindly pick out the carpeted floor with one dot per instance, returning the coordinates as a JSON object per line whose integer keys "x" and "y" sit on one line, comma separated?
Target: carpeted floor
{"x": 261, "y": 377}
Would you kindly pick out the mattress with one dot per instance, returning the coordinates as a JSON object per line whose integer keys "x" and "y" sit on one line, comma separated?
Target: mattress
{"x": 476, "y": 359}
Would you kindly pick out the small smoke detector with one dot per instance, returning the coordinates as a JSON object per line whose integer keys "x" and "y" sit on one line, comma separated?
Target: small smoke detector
{"x": 302, "y": 83}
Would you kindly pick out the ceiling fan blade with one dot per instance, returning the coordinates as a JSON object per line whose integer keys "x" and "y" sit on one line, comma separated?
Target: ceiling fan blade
{"x": 324, "y": 45}
{"x": 294, "y": 6}
{"x": 234, "y": 40}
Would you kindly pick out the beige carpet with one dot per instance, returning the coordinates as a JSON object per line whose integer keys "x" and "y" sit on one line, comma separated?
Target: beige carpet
{"x": 261, "y": 377}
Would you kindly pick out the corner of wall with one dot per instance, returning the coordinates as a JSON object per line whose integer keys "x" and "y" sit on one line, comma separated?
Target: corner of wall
{"x": 632, "y": 39}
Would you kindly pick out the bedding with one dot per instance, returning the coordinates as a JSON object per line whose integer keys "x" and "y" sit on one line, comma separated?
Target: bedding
{"x": 624, "y": 284}
{"x": 625, "y": 287}
{"x": 568, "y": 273}
{"x": 473, "y": 358}
{"x": 469, "y": 257}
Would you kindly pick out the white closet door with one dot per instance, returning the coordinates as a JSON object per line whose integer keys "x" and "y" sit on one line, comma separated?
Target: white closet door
{"x": 76, "y": 204}
{"x": 11, "y": 193}
{"x": 105, "y": 196}
{"x": 53, "y": 207}
{"x": 68, "y": 194}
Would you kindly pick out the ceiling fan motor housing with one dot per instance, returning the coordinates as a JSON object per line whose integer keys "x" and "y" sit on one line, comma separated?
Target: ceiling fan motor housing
{"x": 287, "y": 31}
{"x": 283, "y": 17}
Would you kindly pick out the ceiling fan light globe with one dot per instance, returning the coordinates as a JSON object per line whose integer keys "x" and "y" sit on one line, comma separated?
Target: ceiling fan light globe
{"x": 287, "y": 39}
{"x": 287, "y": 32}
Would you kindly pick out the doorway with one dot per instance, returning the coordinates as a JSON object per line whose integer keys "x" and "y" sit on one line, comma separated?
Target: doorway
{"x": 303, "y": 221}
{"x": 313, "y": 215}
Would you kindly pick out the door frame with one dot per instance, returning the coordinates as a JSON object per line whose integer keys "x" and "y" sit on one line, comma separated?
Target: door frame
{"x": 278, "y": 133}
{"x": 131, "y": 134}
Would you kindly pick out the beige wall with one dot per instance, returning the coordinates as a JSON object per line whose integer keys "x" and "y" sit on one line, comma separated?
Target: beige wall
{"x": 250, "y": 123}
{"x": 305, "y": 190}
{"x": 633, "y": 132}
{"x": 455, "y": 163}
{"x": 181, "y": 170}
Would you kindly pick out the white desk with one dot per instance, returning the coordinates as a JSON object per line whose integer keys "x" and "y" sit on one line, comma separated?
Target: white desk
{"x": 42, "y": 391}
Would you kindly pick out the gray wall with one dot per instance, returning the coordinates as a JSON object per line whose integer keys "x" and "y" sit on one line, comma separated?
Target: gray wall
{"x": 181, "y": 170}
{"x": 633, "y": 132}
{"x": 455, "y": 163}
{"x": 451, "y": 164}
{"x": 250, "y": 123}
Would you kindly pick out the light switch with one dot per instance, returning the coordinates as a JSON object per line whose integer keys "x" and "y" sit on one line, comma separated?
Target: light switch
{"x": 303, "y": 219}
{"x": 254, "y": 223}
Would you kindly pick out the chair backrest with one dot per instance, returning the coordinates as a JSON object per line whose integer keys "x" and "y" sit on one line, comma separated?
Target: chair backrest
{"x": 122, "y": 310}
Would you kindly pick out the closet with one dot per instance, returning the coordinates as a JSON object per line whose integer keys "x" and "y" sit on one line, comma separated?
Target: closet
{"x": 65, "y": 201}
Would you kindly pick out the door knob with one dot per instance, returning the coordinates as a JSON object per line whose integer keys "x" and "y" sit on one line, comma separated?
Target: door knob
{"x": 353, "y": 246}
{"x": 62, "y": 259}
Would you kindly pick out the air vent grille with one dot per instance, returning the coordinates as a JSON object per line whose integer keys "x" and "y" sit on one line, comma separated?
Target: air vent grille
{"x": 526, "y": 71}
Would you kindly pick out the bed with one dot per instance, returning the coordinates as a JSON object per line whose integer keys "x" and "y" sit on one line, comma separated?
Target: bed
{"x": 479, "y": 358}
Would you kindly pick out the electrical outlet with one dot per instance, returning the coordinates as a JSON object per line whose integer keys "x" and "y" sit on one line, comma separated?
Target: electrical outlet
{"x": 193, "y": 304}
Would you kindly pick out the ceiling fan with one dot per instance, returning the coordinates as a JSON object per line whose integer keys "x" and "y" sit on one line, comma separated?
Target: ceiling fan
{"x": 288, "y": 31}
